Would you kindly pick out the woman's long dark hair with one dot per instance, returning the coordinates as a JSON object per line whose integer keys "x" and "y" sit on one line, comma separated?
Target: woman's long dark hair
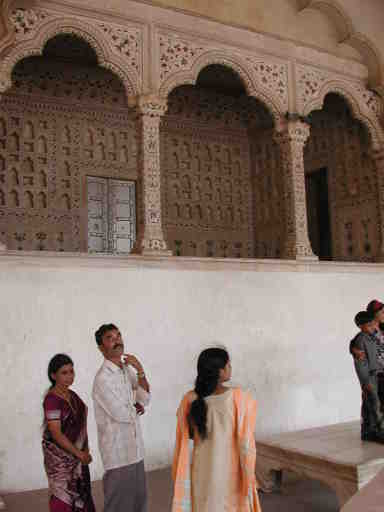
{"x": 209, "y": 364}
{"x": 57, "y": 362}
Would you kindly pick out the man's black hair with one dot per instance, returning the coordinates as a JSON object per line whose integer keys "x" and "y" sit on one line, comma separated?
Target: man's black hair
{"x": 102, "y": 330}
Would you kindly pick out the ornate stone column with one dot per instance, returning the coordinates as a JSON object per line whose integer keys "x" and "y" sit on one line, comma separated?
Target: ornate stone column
{"x": 2, "y": 504}
{"x": 378, "y": 161}
{"x": 291, "y": 137}
{"x": 3, "y": 247}
{"x": 150, "y": 236}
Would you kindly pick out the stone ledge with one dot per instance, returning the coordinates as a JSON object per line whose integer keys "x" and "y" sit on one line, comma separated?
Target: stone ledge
{"x": 67, "y": 260}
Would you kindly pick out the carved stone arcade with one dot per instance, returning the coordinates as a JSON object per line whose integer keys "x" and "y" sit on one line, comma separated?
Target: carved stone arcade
{"x": 216, "y": 175}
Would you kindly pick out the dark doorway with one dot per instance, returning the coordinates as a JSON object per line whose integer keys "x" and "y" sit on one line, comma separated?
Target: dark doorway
{"x": 319, "y": 230}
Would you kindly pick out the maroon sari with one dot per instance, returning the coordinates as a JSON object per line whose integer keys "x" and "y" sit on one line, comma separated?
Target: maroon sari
{"x": 68, "y": 479}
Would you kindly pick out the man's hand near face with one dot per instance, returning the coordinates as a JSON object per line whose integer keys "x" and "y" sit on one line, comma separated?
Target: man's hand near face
{"x": 140, "y": 410}
{"x": 130, "y": 359}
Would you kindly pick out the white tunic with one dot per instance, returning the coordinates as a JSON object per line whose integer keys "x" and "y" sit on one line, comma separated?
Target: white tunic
{"x": 115, "y": 391}
{"x": 211, "y": 460}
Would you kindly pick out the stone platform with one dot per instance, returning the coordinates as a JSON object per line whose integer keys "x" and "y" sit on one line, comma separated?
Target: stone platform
{"x": 334, "y": 454}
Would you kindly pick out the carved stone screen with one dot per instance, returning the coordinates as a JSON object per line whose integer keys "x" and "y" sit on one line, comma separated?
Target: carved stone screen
{"x": 111, "y": 215}
{"x": 341, "y": 144}
{"x": 207, "y": 173}
{"x": 59, "y": 123}
{"x": 268, "y": 211}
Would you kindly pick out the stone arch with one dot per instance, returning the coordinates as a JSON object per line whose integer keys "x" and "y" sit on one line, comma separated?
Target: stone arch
{"x": 76, "y": 27}
{"x": 367, "y": 118}
{"x": 347, "y": 34}
{"x": 236, "y": 64}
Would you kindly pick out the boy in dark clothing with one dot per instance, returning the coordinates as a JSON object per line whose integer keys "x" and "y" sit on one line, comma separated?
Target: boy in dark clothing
{"x": 364, "y": 352}
{"x": 376, "y": 308}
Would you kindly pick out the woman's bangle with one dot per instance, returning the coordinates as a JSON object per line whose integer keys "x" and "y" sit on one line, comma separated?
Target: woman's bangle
{"x": 140, "y": 375}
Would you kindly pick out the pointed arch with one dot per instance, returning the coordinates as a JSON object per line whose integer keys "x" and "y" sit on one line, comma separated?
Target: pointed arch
{"x": 368, "y": 118}
{"x": 236, "y": 64}
{"x": 91, "y": 34}
{"x": 347, "y": 34}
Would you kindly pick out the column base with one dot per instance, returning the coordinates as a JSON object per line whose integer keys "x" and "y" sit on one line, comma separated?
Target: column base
{"x": 292, "y": 255}
{"x": 307, "y": 259}
{"x": 155, "y": 252}
{"x": 151, "y": 251}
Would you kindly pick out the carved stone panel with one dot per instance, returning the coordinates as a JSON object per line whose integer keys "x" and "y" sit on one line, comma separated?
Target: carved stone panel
{"x": 342, "y": 145}
{"x": 48, "y": 145}
{"x": 268, "y": 196}
{"x": 206, "y": 171}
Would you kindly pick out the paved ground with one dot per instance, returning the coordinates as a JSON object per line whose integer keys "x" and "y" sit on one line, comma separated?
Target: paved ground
{"x": 297, "y": 496}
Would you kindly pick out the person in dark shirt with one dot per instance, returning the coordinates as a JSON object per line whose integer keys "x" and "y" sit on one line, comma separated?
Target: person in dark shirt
{"x": 376, "y": 308}
{"x": 364, "y": 352}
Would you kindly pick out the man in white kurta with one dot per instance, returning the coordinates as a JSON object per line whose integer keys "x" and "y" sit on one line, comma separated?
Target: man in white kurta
{"x": 120, "y": 393}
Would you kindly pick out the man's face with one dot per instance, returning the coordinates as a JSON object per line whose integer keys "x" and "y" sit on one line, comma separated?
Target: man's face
{"x": 112, "y": 345}
{"x": 380, "y": 316}
{"x": 369, "y": 327}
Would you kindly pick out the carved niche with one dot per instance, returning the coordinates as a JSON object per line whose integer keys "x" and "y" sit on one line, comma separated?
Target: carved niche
{"x": 342, "y": 145}
{"x": 59, "y": 124}
{"x": 206, "y": 168}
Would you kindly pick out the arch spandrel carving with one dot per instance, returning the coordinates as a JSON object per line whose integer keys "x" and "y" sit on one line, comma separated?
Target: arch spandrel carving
{"x": 347, "y": 34}
{"x": 244, "y": 69}
{"x": 313, "y": 85}
{"x": 100, "y": 37}
{"x": 360, "y": 101}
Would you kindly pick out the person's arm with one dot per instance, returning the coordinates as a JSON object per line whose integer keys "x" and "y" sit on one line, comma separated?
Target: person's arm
{"x": 113, "y": 403}
{"x": 54, "y": 427}
{"x": 143, "y": 384}
{"x": 362, "y": 371}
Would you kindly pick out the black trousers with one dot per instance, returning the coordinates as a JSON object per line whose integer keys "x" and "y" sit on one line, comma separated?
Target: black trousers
{"x": 370, "y": 409}
{"x": 380, "y": 389}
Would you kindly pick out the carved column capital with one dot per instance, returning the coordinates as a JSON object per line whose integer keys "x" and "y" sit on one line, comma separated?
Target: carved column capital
{"x": 149, "y": 105}
{"x": 295, "y": 131}
{"x": 291, "y": 136}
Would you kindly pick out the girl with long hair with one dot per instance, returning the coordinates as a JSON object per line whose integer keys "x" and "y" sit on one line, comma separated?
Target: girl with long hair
{"x": 65, "y": 441}
{"x": 220, "y": 420}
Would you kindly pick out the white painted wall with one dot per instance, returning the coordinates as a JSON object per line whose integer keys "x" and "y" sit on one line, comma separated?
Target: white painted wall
{"x": 287, "y": 327}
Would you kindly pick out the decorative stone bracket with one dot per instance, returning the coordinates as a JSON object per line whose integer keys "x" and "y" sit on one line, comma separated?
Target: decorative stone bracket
{"x": 150, "y": 239}
{"x": 291, "y": 137}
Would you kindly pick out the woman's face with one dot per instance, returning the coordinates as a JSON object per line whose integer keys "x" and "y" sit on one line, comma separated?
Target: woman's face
{"x": 380, "y": 316}
{"x": 65, "y": 376}
{"x": 226, "y": 372}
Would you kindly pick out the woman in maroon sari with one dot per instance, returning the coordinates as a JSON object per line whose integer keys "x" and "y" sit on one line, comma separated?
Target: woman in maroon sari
{"x": 65, "y": 441}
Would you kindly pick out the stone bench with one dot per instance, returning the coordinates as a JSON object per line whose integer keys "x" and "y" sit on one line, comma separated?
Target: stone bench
{"x": 334, "y": 455}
